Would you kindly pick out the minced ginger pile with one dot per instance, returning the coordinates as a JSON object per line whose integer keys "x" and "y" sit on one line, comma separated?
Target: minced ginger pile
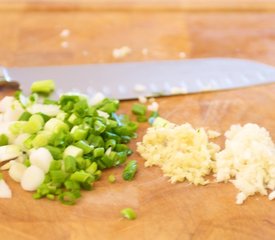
{"x": 181, "y": 151}
{"x": 184, "y": 153}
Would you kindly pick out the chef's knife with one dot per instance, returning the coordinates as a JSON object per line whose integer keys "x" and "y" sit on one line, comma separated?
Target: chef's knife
{"x": 131, "y": 80}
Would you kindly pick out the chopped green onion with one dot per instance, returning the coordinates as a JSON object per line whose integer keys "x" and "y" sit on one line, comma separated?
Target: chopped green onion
{"x": 73, "y": 151}
{"x": 101, "y": 165}
{"x": 92, "y": 168}
{"x": 58, "y": 176}
{"x": 1, "y": 176}
{"x": 110, "y": 143}
{"x": 81, "y": 107}
{"x": 55, "y": 152}
{"x": 130, "y": 170}
{"x": 61, "y": 116}
{"x": 48, "y": 178}
{"x": 3, "y": 140}
{"x": 55, "y": 165}
{"x": 125, "y": 139}
{"x": 111, "y": 123}
{"x": 88, "y": 162}
{"x": 37, "y": 118}
{"x": 37, "y": 195}
{"x": 111, "y": 135}
{"x": 72, "y": 185}
{"x": 121, "y": 147}
{"x": 111, "y": 178}
{"x": 121, "y": 158}
{"x": 86, "y": 186}
{"x": 34, "y": 124}
{"x": 81, "y": 163}
{"x": 82, "y": 139}
{"x": 139, "y": 109}
{"x": 98, "y": 174}
{"x": 44, "y": 116}
{"x": 68, "y": 198}
{"x": 27, "y": 162}
{"x": 74, "y": 119}
{"x": 21, "y": 98}
{"x": 128, "y": 213}
{"x": 41, "y": 139}
{"x": 60, "y": 139}
{"x": 70, "y": 164}
{"x": 43, "y": 189}
{"x": 50, "y": 102}
{"x": 25, "y": 116}
{"x": 44, "y": 86}
{"x": 16, "y": 128}
{"x": 99, "y": 126}
{"x": 80, "y": 176}
{"x": 96, "y": 141}
{"x": 50, "y": 196}
{"x": 126, "y": 130}
{"x": 79, "y": 133}
{"x": 56, "y": 125}
{"x": 108, "y": 161}
{"x": 28, "y": 142}
{"x": 108, "y": 105}
{"x": 31, "y": 127}
{"x": 98, "y": 152}
{"x": 141, "y": 118}
{"x": 84, "y": 146}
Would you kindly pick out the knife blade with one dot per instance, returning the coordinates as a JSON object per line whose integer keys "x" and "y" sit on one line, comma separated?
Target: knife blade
{"x": 131, "y": 80}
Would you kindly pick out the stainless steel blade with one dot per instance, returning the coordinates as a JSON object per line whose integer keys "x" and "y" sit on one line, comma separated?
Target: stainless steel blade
{"x": 122, "y": 80}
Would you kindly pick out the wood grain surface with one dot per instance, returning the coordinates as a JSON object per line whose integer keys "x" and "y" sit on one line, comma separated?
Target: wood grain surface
{"x": 165, "y": 211}
{"x": 193, "y": 5}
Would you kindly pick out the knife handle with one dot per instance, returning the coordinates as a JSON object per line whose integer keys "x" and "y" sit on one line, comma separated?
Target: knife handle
{"x": 4, "y": 75}
{"x": 5, "y": 80}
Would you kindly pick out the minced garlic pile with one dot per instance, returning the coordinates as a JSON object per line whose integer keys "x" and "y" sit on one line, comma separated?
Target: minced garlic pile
{"x": 249, "y": 157}
{"x": 182, "y": 152}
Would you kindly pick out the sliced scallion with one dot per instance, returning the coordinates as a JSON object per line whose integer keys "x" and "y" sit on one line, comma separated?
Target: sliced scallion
{"x": 3, "y": 140}
{"x": 139, "y": 109}
{"x": 128, "y": 213}
{"x": 44, "y": 86}
{"x": 81, "y": 139}
{"x": 111, "y": 178}
{"x": 130, "y": 170}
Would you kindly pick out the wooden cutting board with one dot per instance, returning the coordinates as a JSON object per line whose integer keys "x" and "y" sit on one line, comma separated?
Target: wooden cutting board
{"x": 165, "y": 211}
